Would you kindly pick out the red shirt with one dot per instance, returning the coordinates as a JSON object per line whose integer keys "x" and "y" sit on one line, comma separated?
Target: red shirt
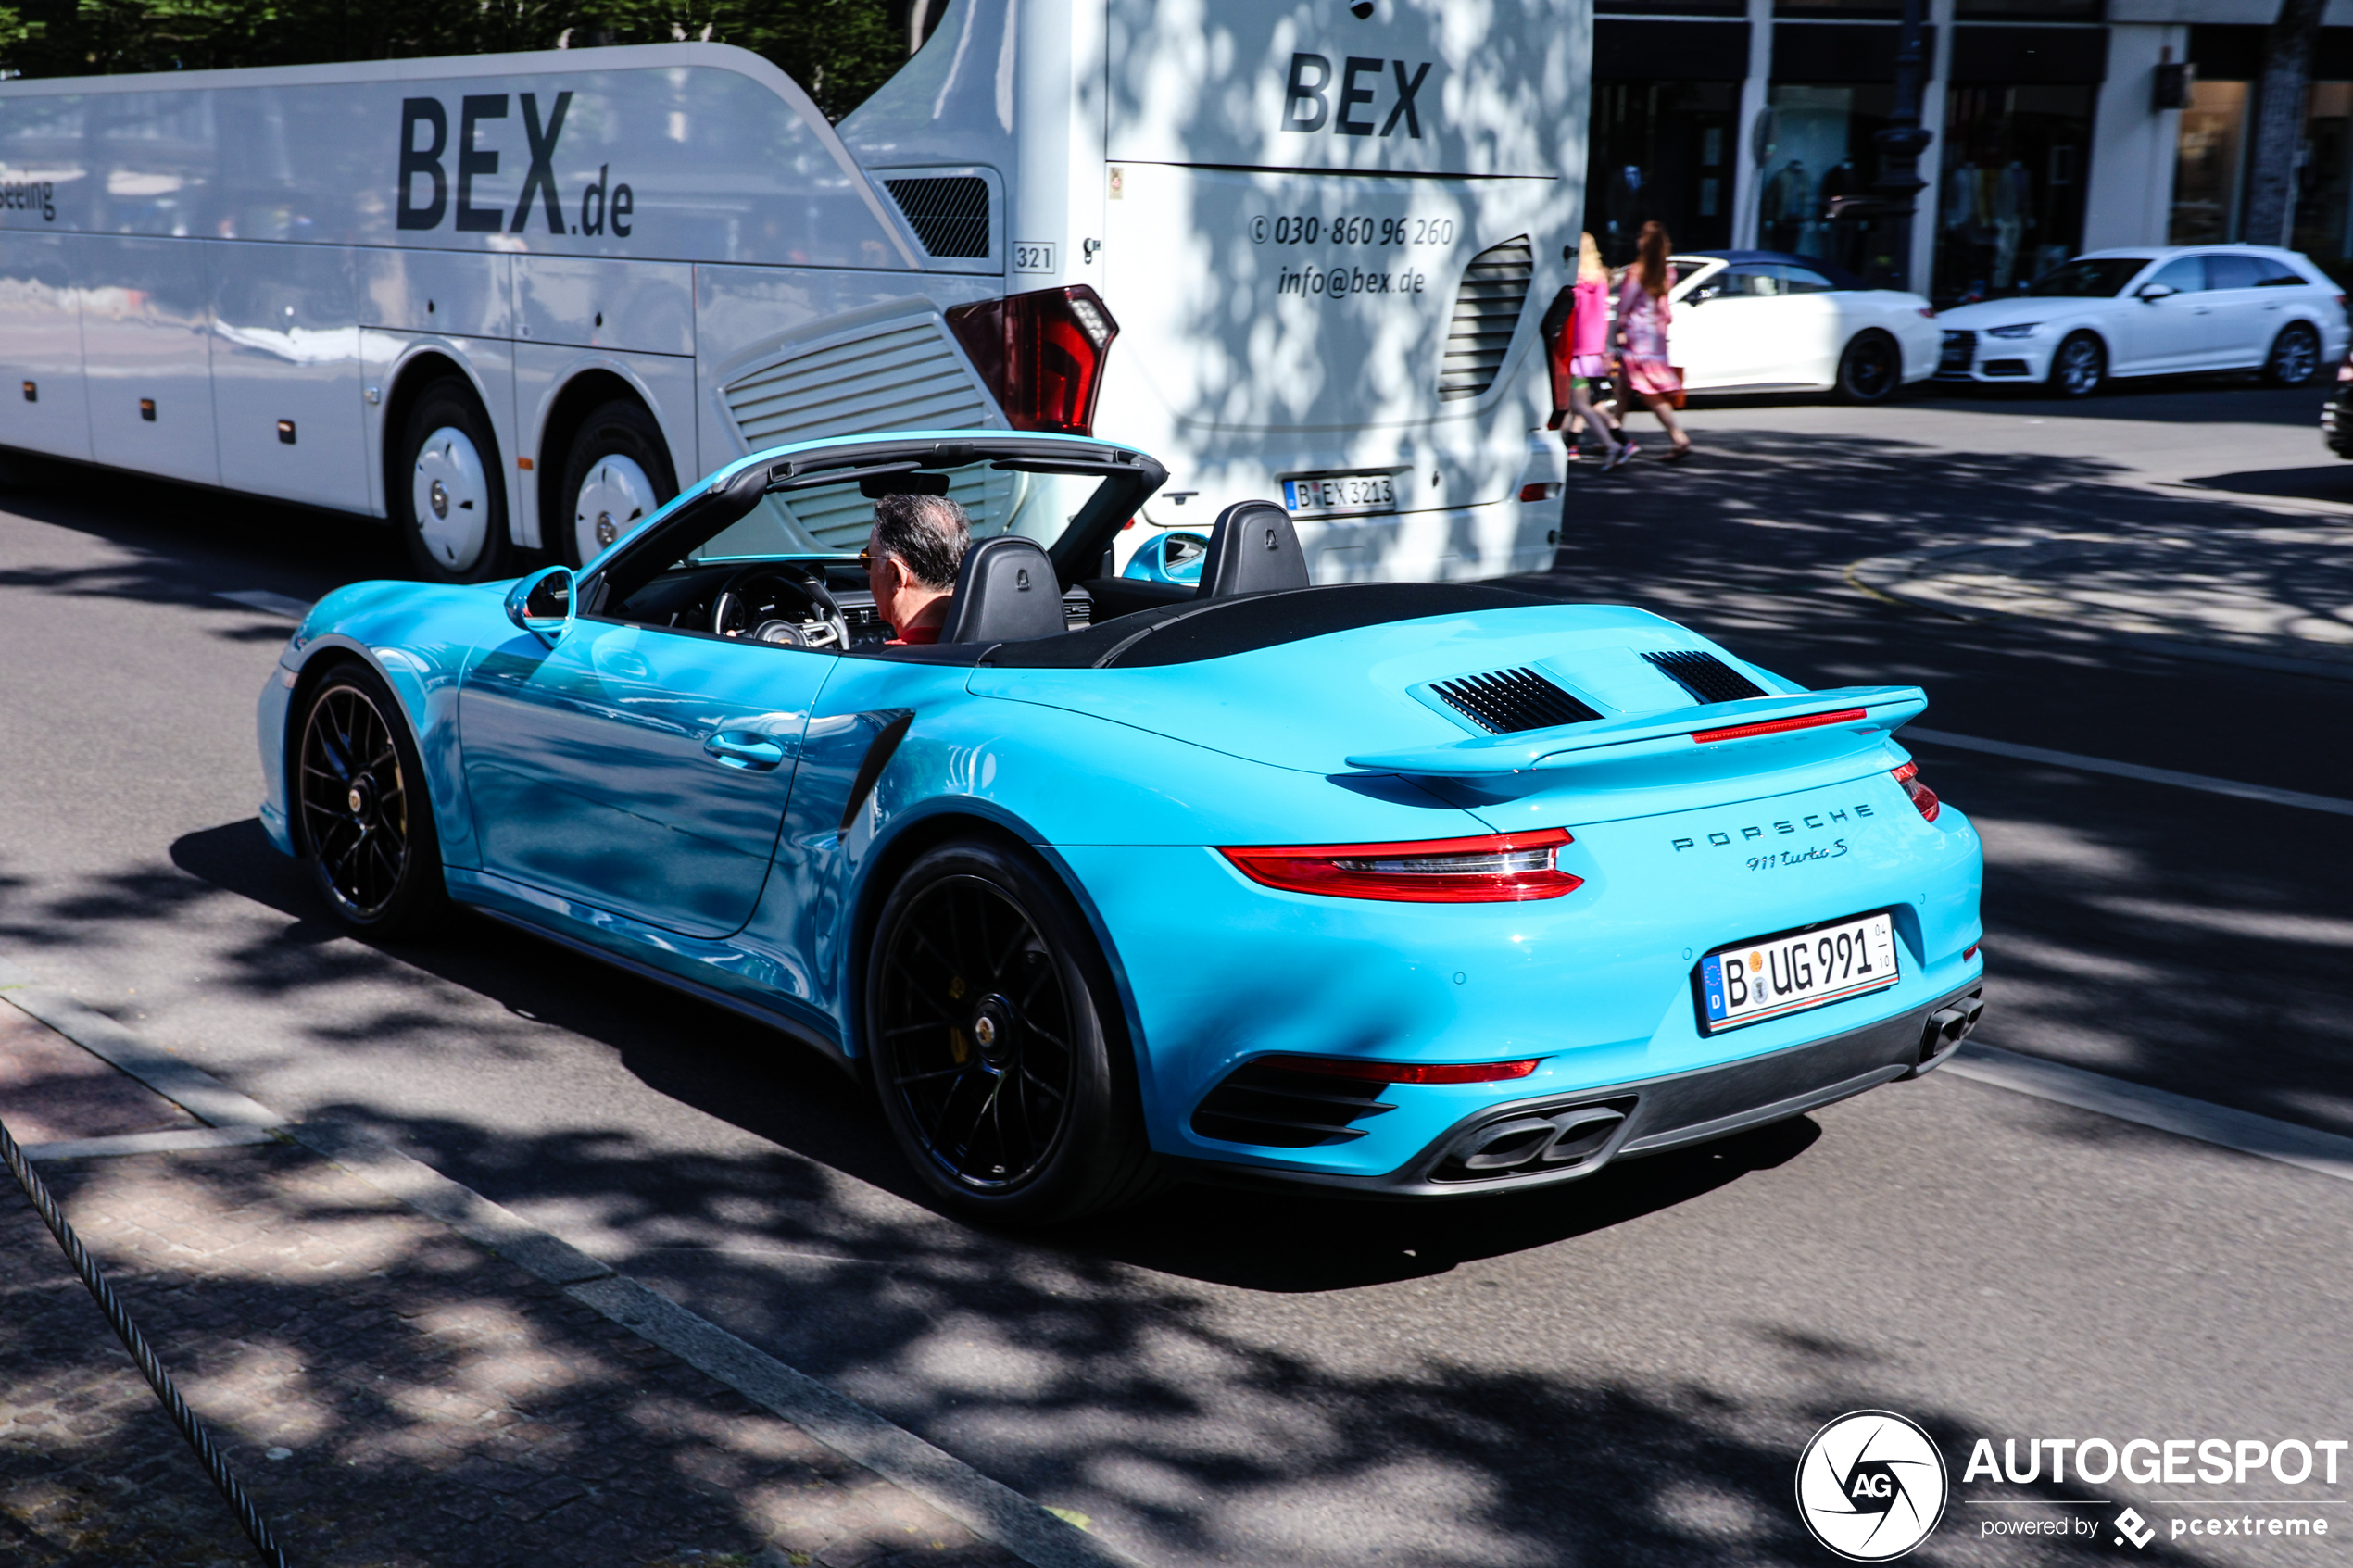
{"x": 914, "y": 635}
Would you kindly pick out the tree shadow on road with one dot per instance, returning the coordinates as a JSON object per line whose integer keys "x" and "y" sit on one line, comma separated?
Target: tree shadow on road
{"x": 442, "y": 1409}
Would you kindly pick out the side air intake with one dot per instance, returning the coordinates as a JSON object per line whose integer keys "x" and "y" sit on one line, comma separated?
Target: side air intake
{"x": 1506, "y": 701}
{"x": 950, "y": 214}
{"x": 1487, "y": 310}
{"x": 1706, "y": 677}
{"x": 1268, "y": 1103}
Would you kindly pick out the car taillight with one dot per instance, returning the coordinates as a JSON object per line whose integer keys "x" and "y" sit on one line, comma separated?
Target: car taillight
{"x": 1401, "y": 1073}
{"x": 1041, "y": 353}
{"x": 1908, "y": 775}
{"x": 1501, "y": 868}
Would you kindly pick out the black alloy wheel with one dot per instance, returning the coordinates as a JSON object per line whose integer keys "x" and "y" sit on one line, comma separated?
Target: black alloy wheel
{"x": 993, "y": 1037}
{"x": 361, "y": 816}
{"x": 2294, "y": 359}
{"x": 2079, "y": 367}
{"x": 1870, "y": 370}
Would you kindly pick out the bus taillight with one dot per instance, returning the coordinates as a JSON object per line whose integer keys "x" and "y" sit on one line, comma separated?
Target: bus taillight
{"x": 1041, "y": 353}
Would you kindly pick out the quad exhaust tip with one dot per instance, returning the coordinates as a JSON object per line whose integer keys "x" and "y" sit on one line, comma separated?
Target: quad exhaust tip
{"x": 1579, "y": 1135}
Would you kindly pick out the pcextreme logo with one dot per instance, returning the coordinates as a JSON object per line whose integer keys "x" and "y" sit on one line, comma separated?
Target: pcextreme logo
{"x": 1871, "y": 1485}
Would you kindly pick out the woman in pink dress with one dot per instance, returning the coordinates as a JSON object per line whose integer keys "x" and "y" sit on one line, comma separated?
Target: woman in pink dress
{"x": 1643, "y": 317}
{"x": 1589, "y": 355}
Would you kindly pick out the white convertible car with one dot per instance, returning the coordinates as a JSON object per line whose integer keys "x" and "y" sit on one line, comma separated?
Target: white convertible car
{"x": 1762, "y": 320}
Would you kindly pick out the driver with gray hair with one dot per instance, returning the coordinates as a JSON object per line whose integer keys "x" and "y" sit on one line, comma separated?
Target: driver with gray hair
{"x": 911, "y": 559}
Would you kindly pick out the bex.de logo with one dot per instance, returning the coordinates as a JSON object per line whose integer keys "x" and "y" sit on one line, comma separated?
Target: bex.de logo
{"x": 1871, "y": 1485}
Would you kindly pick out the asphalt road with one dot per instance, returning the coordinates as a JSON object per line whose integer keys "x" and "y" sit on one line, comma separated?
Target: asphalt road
{"x": 1619, "y": 1372}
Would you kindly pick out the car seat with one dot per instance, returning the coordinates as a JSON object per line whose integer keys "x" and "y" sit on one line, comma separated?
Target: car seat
{"x": 1254, "y": 549}
{"x": 1006, "y": 592}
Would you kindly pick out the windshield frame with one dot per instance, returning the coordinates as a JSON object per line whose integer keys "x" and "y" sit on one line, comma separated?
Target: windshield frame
{"x": 1129, "y": 479}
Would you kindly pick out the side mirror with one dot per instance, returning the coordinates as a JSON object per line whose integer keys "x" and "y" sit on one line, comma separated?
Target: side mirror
{"x": 2149, "y": 294}
{"x": 541, "y": 604}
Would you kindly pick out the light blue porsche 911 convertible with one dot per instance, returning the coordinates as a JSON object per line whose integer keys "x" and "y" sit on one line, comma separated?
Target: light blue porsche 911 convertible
{"x": 1420, "y": 890}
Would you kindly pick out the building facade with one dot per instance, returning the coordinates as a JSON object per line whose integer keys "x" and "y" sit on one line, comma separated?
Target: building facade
{"x": 1751, "y": 123}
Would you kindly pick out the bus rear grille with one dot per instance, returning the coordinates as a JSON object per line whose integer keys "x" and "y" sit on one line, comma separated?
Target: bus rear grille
{"x": 904, "y": 377}
{"x": 948, "y": 214}
{"x": 1487, "y": 310}
{"x": 1507, "y": 701}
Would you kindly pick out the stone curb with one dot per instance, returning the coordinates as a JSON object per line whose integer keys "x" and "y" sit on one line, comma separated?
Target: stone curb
{"x": 189, "y": 1087}
{"x": 1889, "y": 577}
{"x": 988, "y": 1507}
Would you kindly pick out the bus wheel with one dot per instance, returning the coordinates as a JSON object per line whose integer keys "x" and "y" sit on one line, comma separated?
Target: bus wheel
{"x": 446, "y": 498}
{"x": 617, "y": 475}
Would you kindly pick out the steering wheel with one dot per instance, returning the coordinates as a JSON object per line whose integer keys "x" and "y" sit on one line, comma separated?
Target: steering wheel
{"x": 768, "y": 604}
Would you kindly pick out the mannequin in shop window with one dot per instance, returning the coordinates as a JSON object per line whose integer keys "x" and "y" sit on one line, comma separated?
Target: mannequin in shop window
{"x": 2013, "y": 212}
{"x": 1782, "y": 205}
{"x": 1840, "y": 181}
{"x": 1842, "y": 239}
{"x": 1625, "y": 200}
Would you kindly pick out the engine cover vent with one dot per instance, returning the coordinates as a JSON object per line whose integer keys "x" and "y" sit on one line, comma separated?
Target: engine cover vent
{"x": 1487, "y": 311}
{"x": 1505, "y": 701}
{"x": 950, "y": 214}
{"x": 1705, "y": 676}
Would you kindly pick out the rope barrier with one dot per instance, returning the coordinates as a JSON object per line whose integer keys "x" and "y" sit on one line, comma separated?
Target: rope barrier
{"x": 255, "y": 1527}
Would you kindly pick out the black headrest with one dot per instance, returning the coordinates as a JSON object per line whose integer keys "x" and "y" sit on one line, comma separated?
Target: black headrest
{"x": 1005, "y": 592}
{"x": 1252, "y": 550}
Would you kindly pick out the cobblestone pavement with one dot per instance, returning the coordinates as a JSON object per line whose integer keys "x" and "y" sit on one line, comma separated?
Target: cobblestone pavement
{"x": 390, "y": 1393}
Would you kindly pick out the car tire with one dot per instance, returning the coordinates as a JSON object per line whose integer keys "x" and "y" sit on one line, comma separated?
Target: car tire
{"x": 617, "y": 474}
{"x": 1870, "y": 370}
{"x": 2078, "y": 368}
{"x": 362, "y": 818}
{"x": 447, "y": 494}
{"x": 997, "y": 1044}
{"x": 2294, "y": 359}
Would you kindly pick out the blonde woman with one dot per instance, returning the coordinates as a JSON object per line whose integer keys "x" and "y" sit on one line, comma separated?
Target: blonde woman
{"x": 1643, "y": 317}
{"x": 1589, "y": 355}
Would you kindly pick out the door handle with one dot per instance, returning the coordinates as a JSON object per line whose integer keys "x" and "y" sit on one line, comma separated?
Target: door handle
{"x": 744, "y": 748}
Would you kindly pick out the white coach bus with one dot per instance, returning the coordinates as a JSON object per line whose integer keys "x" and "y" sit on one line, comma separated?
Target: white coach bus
{"x": 511, "y": 302}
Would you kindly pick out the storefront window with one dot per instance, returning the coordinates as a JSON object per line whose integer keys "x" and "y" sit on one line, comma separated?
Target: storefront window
{"x": 1819, "y": 163}
{"x": 2206, "y": 170}
{"x": 2324, "y": 195}
{"x": 2010, "y": 201}
{"x": 1660, "y": 150}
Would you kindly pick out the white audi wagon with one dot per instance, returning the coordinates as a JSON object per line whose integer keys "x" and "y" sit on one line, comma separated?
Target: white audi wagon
{"x": 2153, "y": 311}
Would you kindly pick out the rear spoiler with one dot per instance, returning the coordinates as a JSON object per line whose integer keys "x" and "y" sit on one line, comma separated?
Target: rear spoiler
{"x": 1849, "y": 711}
